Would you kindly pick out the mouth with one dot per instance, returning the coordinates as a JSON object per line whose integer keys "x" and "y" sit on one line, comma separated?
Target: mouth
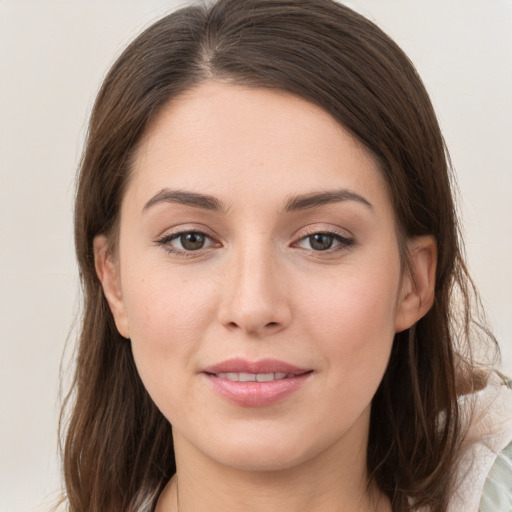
{"x": 256, "y": 384}
{"x": 254, "y": 377}
{"x": 266, "y": 369}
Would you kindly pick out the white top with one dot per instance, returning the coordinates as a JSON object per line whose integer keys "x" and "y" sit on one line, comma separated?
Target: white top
{"x": 484, "y": 477}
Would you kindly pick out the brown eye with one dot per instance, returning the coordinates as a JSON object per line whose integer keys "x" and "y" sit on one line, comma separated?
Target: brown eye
{"x": 192, "y": 241}
{"x": 325, "y": 241}
{"x": 321, "y": 241}
{"x": 187, "y": 242}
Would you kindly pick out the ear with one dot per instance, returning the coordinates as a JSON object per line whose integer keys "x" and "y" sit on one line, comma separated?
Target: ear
{"x": 418, "y": 282}
{"x": 107, "y": 270}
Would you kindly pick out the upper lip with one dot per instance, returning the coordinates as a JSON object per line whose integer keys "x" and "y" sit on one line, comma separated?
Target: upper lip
{"x": 239, "y": 365}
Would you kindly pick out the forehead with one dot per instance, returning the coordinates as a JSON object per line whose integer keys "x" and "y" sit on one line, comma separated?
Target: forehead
{"x": 229, "y": 140}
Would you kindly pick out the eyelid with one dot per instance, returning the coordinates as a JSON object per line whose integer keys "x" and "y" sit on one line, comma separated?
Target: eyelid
{"x": 313, "y": 229}
{"x": 170, "y": 235}
{"x": 186, "y": 227}
{"x": 345, "y": 241}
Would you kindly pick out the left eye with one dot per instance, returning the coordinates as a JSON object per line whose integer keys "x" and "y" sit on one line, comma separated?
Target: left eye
{"x": 192, "y": 241}
{"x": 323, "y": 241}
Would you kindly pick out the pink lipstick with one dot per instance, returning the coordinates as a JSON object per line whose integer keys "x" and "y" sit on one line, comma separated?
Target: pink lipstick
{"x": 255, "y": 384}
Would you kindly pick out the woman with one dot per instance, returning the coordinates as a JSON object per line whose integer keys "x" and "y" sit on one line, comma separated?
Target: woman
{"x": 269, "y": 252}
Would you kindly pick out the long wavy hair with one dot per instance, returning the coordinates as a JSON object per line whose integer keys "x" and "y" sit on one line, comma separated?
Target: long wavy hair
{"x": 117, "y": 446}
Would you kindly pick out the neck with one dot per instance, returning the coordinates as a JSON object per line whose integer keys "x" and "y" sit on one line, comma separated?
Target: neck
{"x": 335, "y": 480}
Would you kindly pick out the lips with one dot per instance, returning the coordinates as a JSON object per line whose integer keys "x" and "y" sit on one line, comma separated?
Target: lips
{"x": 253, "y": 377}
{"x": 263, "y": 366}
{"x": 255, "y": 384}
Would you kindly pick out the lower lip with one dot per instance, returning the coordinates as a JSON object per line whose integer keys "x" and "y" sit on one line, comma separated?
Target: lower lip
{"x": 257, "y": 394}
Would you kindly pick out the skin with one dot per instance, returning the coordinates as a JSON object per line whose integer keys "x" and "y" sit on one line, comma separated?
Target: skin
{"x": 259, "y": 289}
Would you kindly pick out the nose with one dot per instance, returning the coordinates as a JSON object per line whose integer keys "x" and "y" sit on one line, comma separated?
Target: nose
{"x": 254, "y": 299}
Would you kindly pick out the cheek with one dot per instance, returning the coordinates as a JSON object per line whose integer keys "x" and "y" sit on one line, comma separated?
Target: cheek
{"x": 361, "y": 302}
{"x": 167, "y": 313}
{"x": 353, "y": 322}
{"x": 162, "y": 301}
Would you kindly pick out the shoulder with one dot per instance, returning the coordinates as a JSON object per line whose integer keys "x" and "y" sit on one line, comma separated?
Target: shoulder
{"x": 497, "y": 493}
{"x": 484, "y": 477}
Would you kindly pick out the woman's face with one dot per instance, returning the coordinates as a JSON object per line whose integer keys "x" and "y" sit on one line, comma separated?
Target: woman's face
{"x": 257, "y": 276}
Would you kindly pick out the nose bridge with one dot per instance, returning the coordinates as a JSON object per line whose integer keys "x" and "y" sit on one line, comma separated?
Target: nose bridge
{"x": 254, "y": 298}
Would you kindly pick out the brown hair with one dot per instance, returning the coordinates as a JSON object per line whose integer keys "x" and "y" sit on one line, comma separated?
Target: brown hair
{"x": 118, "y": 451}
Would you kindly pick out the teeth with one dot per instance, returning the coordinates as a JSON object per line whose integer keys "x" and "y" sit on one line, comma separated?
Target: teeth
{"x": 252, "y": 377}
{"x": 265, "y": 377}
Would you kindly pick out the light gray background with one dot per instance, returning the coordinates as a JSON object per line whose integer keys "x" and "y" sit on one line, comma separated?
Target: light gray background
{"x": 53, "y": 55}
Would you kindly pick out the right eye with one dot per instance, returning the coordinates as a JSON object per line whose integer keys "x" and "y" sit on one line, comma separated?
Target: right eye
{"x": 187, "y": 242}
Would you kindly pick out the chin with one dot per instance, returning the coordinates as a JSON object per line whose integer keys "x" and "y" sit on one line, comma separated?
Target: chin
{"x": 266, "y": 450}
{"x": 256, "y": 459}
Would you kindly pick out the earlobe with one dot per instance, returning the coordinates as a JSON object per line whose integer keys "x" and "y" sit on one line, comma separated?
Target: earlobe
{"x": 108, "y": 274}
{"x": 418, "y": 283}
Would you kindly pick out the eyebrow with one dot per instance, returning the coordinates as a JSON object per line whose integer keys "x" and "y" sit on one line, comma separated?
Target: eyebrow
{"x": 193, "y": 199}
{"x": 315, "y": 200}
{"x": 296, "y": 203}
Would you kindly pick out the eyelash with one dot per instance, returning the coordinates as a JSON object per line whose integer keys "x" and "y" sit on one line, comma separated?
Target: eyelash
{"x": 344, "y": 242}
{"x": 166, "y": 240}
